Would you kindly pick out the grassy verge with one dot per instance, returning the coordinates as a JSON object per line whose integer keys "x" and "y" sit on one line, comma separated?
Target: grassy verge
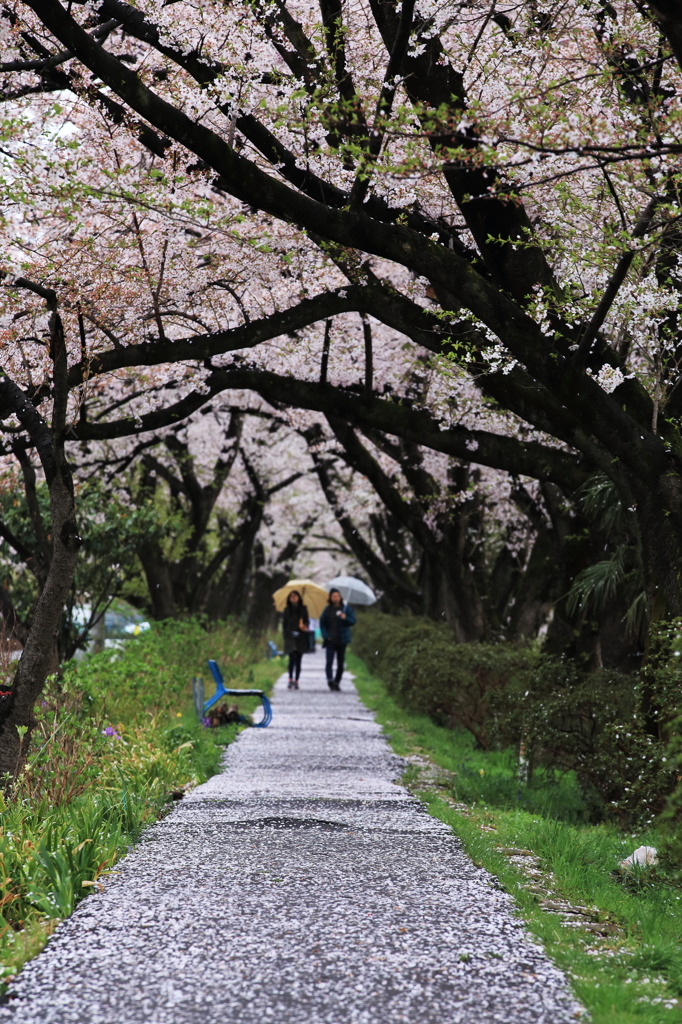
{"x": 617, "y": 935}
{"x": 117, "y": 743}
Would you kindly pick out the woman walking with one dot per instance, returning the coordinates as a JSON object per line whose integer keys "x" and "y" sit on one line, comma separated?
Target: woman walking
{"x": 295, "y": 622}
{"x": 335, "y": 623}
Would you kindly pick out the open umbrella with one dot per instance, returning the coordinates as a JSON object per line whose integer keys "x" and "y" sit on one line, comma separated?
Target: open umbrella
{"x": 353, "y": 590}
{"x": 314, "y": 598}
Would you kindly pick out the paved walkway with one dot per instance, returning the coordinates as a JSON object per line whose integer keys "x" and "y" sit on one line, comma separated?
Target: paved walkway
{"x": 302, "y": 885}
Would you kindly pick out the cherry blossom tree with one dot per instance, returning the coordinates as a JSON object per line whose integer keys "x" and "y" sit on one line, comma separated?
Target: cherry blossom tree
{"x": 204, "y": 561}
{"x": 48, "y": 441}
{"x": 470, "y": 547}
{"x": 303, "y": 202}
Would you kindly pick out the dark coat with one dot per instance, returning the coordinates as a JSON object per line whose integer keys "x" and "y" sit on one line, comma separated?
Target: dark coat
{"x": 344, "y": 624}
{"x": 290, "y": 621}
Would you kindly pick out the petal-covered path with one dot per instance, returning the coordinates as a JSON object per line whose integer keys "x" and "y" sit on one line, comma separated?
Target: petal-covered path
{"x": 302, "y": 884}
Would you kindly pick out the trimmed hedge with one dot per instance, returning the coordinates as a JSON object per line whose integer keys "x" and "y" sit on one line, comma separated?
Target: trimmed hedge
{"x": 613, "y": 730}
{"x": 665, "y": 677}
{"x": 600, "y": 725}
{"x": 425, "y": 669}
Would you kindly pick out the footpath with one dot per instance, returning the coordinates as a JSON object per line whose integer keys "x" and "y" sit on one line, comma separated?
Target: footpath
{"x": 301, "y": 885}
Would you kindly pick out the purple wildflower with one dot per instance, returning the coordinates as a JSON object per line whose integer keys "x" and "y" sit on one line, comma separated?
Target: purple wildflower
{"x": 206, "y": 722}
{"x": 110, "y": 731}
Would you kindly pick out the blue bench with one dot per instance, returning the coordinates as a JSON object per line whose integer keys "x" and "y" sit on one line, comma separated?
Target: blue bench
{"x": 221, "y": 691}
{"x": 272, "y": 651}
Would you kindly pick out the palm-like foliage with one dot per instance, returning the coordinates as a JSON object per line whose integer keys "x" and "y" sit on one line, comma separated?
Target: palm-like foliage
{"x": 618, "y": 575}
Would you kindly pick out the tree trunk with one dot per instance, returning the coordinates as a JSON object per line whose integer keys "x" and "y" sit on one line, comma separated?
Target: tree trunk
{"x": 503, "y": 582}
{"x": 37, "y": 659}
{"x": 158, "y": 576}
{"x": 450, "y": 595}
{"x": 538, "y": 587}
{"x": 659, "y": 519}
{"x": 17, "y": 719}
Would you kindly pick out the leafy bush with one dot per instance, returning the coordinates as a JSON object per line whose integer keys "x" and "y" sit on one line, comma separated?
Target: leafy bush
{"x": 426, "y": 670}
{"x": 671, "y": 818}
{"x": 667, "y": 671}
{"x": 107, "y": 560}
{"x": 154, "y": 670}
{"x": 374, "y": 635}
{"x": 597, "y": 725}
{"x": 612, "y": 729}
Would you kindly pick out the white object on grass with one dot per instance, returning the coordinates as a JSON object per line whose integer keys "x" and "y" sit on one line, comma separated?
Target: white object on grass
{"x": 645, "y": 856}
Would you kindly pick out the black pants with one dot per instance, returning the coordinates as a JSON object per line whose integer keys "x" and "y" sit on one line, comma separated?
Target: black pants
{"x": 340, "y": 651}
{"x": 295, "y": 665}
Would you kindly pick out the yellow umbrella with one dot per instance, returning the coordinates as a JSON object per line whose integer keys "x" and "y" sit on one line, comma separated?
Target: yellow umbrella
{"x": 314, "y": 598}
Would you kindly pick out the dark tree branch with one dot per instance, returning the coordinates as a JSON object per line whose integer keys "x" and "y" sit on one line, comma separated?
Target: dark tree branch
{"x": 385, "y": 102}
{"x": 369, "y": 361}
{"x": 406, "y": 513}
{"x": 25, "y": 553}
{"x": 206, "y": 346}
{"x": 325, "y": 352}
{"x": 668, "y": 14}
{"x": 527, "y": 458}
{"x": 613, "y": 287}
{"x": 205, "y": 72}
{"x": 378, "y": 571}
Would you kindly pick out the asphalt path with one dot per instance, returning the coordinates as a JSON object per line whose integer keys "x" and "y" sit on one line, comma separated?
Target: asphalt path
{"x": 301, "y": 885}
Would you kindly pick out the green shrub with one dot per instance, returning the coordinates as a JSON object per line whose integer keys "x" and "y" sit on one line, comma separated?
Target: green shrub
{"x": 426, "y": 670}
{"x": 666, "y": 674}
{"x": 595, "y": 724}
{"x": 374, "y": 635}
{"x": 671, "y": 818}
{"x": 154, "y": 669}
{"x": 611, "y": 729}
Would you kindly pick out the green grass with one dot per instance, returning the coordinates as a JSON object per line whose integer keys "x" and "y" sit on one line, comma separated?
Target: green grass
{"x": 633, "y": 976}
{"x": 117, "y": 742}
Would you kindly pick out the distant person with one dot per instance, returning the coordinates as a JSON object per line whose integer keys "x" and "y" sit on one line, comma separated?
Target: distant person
{"x": 335, "y": 623}
{"x": 295, "y": 623}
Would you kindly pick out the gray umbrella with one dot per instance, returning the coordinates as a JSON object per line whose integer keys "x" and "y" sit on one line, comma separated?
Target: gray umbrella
{"x": 352, "y": 590}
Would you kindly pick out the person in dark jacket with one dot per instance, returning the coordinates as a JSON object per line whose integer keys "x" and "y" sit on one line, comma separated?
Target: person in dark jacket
{"x": 295, "y": 623}
{"x": 335, "y": 623}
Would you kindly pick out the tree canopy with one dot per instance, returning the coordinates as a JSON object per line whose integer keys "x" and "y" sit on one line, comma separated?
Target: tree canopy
{"x": 447, "y": 226}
